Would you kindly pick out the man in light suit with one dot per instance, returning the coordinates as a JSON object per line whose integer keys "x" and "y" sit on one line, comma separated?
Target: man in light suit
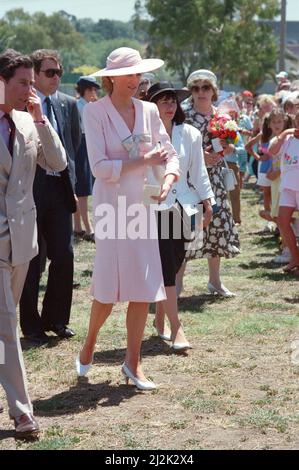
{"x": 25, "y": 140}
{"x": 54, "y": 197}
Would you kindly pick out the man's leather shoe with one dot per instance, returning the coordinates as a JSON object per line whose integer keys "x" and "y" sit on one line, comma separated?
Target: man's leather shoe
{"x": 26, "y": 427}
{"x": 37, "y": 338}
{"x": 62, "y": 331}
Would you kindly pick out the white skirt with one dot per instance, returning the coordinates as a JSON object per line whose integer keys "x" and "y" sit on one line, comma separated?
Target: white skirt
{"x": 262, "y": 179}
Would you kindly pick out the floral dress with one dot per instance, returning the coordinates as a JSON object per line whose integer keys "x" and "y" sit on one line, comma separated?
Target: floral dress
{"x": 220, "y": 238}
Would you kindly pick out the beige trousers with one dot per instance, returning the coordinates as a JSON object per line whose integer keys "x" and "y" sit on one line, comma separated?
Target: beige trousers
{"x": 12, "y": 370}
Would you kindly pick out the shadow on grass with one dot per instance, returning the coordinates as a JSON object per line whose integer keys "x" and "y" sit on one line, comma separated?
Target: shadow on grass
{"x": 291, "y": 300}
{"x": 256, "y": 265}
{"x": 271, "y": 276}
{"x": 53, "y": 342}
{"x": 6, "y": 434}
{"x": 197, "y": 303}
{"x": 84, "y": 396}
{"x": 86, "y": 273}
{"x": 265, "y": 255}
{"x": 152, "y": 346}
{"x": 267, "y": 241}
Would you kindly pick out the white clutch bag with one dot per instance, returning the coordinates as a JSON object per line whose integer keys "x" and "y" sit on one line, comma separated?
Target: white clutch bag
{"x": 229, "y": 178}
{"x": 155, "y": 174}
{"x": 150, "y": 190}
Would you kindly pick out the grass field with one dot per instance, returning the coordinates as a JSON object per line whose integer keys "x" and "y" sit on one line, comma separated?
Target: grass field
{"x": 236, "y": 389}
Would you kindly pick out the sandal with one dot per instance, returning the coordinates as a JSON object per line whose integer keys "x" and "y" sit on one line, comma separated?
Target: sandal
{"x": 89, "y": 237}
{"x": 265, "y": 215}
{"x": 80, "y": 234}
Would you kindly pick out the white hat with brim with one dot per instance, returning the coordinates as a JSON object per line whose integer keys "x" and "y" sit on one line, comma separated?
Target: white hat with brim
{"x": 202, "y": 74}
{"x": 282, "y": 74}
{"x": 127, "y": 61}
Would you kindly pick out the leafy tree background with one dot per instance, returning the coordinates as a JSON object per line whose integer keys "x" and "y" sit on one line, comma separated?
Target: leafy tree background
{"x": 231, "y": 37}
{"x": 226, "y": 36}
{"x": 82, "y": 43}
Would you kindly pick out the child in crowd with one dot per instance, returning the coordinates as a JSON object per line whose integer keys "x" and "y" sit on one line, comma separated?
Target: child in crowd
{"x": 273, "y": 125}
{"x": 287, "y": 143}
{"x": 264, "y": 105}
{"x": 273, "y": 175}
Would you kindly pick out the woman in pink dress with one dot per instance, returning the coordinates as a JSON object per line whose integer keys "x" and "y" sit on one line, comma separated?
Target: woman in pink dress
{"x": 122, "y": 135}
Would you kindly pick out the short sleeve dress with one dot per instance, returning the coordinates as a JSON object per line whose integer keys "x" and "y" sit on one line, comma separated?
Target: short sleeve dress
{"x": 220, "y": 238}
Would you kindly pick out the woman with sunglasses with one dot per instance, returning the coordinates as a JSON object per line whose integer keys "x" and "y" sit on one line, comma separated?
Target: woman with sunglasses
{"x": 193, "y": 187}
{"x": 221, "y": 236}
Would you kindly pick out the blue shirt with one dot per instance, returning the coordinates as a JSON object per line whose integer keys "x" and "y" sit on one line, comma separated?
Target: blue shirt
{"x": 238, "y": 152}
{"x": 45, "y": 111}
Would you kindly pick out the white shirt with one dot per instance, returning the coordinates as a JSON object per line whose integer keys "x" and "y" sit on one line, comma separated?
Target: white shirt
{"x": 290, "y": 164}
{"x": 45, "y": 110}
{"x": 187, "y": 141}
{"x": 54, "y": 123}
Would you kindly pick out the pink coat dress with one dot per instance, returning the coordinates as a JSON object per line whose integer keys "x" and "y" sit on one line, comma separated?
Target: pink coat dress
{"x": 126, "y": 268}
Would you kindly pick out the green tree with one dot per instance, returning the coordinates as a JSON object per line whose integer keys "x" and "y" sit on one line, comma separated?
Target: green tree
{"x": 224, "y": 35}
{"x": 25, "y": 33}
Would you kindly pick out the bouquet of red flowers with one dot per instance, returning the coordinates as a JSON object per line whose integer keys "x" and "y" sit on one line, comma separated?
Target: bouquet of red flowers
{"x": 224, "y": 128}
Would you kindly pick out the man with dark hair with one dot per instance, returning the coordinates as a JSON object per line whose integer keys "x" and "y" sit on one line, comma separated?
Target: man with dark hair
{"x": 25, "y": 140}
{"x": 55, "y": 202}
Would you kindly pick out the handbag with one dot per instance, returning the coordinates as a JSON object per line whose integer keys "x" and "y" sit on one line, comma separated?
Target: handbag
{"x": 229, "y": 178}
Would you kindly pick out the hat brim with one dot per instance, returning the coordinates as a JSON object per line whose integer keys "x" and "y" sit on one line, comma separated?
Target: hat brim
{"x": 180, "y": 93}
{"x": 88, "y": 83}
{"x": 203, "y": 78}
{"x": 146, "y": 65}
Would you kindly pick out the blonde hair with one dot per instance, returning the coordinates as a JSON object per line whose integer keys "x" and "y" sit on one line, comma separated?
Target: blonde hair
{"x": 263, "y": 99}
{"x": 107, "y": 85}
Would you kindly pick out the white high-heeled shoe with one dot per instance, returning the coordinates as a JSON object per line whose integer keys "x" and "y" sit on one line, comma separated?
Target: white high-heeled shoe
{"x": 163, "y": 336}
{"x": 223, "y": 291}
{"x": 181, "y": 346}
{"x": 140, "y": 384}
{"x": 82, "y": 369}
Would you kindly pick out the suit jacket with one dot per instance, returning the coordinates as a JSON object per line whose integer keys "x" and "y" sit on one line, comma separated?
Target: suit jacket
{"x": 69, "y": 130}
{"x": 33, "y": 144}
{"x": 125, "y": 268}
{"x": 68, "y": 120}
{"x": 194, "y": 183}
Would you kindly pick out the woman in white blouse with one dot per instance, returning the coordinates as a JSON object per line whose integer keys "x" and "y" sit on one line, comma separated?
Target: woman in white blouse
{"x": 192, "y": 188}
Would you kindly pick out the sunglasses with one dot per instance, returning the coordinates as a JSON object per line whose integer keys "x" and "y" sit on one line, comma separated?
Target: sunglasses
{"x": 197, "y": 88}
{"x": 51, "y": 72}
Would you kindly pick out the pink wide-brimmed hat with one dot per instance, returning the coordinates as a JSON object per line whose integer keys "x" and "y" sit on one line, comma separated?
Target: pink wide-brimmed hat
{"x": 127, "y": 61}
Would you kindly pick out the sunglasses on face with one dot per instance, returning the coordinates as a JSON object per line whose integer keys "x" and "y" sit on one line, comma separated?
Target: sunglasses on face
{"x": 197, "y": 88}
{"x": 51, "y": 72}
